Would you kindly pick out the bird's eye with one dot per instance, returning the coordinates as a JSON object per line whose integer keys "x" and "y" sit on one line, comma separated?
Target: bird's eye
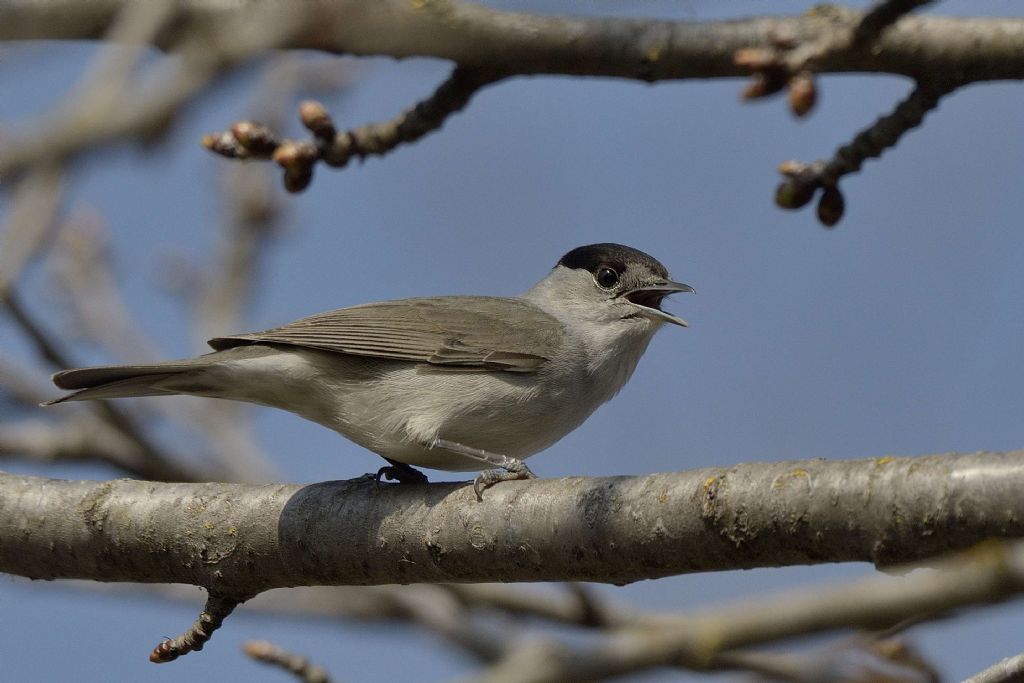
{"x": 606, "y": 277}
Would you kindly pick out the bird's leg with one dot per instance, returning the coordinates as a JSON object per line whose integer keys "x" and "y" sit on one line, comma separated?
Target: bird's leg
{"x": 400, "y": 472}
{"x": 509, "y": 469}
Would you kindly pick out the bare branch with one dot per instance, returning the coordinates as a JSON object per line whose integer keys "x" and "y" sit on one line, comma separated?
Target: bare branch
{"x": 1009, "y": 670}
{"x": 217, "y": 609}
{"x": 143, "y": 107}
{"x": 852, "y": 660}
{"x": 80, "y": 438}
{"x": 19, "y": 387}
{"x": 249, "y": 140}
{"x": 294, "y": 664}
{"x": 155, "y": 465}
{"x": 991, "y": 573}
{"x": 803, "y": 180}
{"x": 34, "y": 207}
{"x": 89, "y": 288}
{"x": 239, "y": 539}
{"x": 851, "y": 31}
{"x": 478, "y": 37}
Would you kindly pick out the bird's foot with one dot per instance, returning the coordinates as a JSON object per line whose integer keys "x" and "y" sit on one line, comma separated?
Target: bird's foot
{"x": 511, "y": 470}
{"x": 400, "y": 472}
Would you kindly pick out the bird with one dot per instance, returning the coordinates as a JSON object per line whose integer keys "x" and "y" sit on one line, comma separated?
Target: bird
{"x": 456, "y": 383}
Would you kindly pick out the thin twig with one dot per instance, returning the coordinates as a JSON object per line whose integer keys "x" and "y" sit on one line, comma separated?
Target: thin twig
{"x": 297, "y": 665}
{"x": 250, "y": 140}
{"x": 35, "y": 203}
{"x": 697, "y": 641}
{"x": 156, "y": 465}
{"x": 851, "y": 660}
{"x": 803, "y": 180}
{"x": 77, "y": 438}
{"x": 143, "y": 107}
{"x": 88, "y": 286}
{"x": 217, "y": 608}
{"x": 19, "y": 387}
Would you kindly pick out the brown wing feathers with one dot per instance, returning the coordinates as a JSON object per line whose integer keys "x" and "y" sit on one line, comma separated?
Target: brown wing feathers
{"x": 469, "y": 332}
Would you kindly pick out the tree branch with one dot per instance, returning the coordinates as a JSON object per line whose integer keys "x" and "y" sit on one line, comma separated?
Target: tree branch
{"x": 297, "y": 665}
{"x": 990, "y": 573}
{"x": 803, "y": 180}
{"x": 1004, "y": 671}
{"x": 241, "y": 540}
{"x": 250, "y": 140}
{"x": 479, "y": 37}
{"x": 217, "y": 609}
{"x": 154, "y": 464}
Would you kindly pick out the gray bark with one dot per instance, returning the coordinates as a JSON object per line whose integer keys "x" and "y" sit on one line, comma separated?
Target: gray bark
{"x": 242, "y": 539}
{"x": 479, "y": 37}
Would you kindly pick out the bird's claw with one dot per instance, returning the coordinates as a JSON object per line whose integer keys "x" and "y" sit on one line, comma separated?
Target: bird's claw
{"x": 514, "y": 470}
{"x": 401, "y": 473}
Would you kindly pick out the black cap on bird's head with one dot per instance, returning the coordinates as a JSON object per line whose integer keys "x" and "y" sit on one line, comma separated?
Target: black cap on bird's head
{"x": 629, "y": 275}
{"x": 592, "y": 256}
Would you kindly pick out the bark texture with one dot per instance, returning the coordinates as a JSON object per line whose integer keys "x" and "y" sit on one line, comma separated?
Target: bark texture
{"x": 239, "y": 540}
{"x": 512, "y": 43}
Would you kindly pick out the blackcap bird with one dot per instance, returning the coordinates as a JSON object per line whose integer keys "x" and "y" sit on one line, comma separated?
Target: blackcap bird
{"x": 462, "y": 383}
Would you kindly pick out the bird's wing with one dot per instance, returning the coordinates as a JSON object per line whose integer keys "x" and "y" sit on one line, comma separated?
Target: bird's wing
{"x": 465, "y": 332}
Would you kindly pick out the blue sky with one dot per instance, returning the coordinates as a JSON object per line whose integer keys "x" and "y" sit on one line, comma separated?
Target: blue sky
{"x": 897, "y": 333}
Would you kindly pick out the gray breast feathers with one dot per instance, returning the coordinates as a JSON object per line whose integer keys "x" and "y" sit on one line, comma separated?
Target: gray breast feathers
{"x": 457, "y": 332}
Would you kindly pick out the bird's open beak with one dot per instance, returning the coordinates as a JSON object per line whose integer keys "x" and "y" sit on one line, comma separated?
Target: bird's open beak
{"x": 649, "y": 299}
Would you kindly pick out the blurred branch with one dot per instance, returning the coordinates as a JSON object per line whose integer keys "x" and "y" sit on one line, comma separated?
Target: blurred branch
{"x": 252, "y": 219}
{"x": 478, "y": 37}
{"x": 868, "y": 657}
{"x": 487, "y": 45}
{"x": 860, "y": 659}
{"x": 112, "y": 105}
{"x": 803, "y": 180}
{"x": 1009, "y": 670}
{"x": 298, "y": 666}
{"x": 359, "y": 532}
{"x": 849, "y": 30}
{"x": 155, "y": 465}
{"x": 88, "y": 286}
{"x": 18, "y": 387}
{"x": 250, "y": 140}
{"x": 88, "y": 291}
{"x": 991, "y": 573}
{"x": 35, "y": 202}
{"x": 74, "y": 439}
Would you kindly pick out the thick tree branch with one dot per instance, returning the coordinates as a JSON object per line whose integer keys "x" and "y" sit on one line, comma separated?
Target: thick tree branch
{"x": 240, "y": 540}
{"x": 479, "y": 37}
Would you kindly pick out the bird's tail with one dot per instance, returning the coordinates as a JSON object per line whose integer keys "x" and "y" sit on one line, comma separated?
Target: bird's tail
{"x": 120, "y": 381}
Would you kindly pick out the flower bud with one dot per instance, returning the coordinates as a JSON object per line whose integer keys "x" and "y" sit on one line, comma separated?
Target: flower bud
{"x": 802, "y": 93}
{"x": 315, "y": 118}
{"x": 793, "y": 194}
{"x": 831, "y": 206}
